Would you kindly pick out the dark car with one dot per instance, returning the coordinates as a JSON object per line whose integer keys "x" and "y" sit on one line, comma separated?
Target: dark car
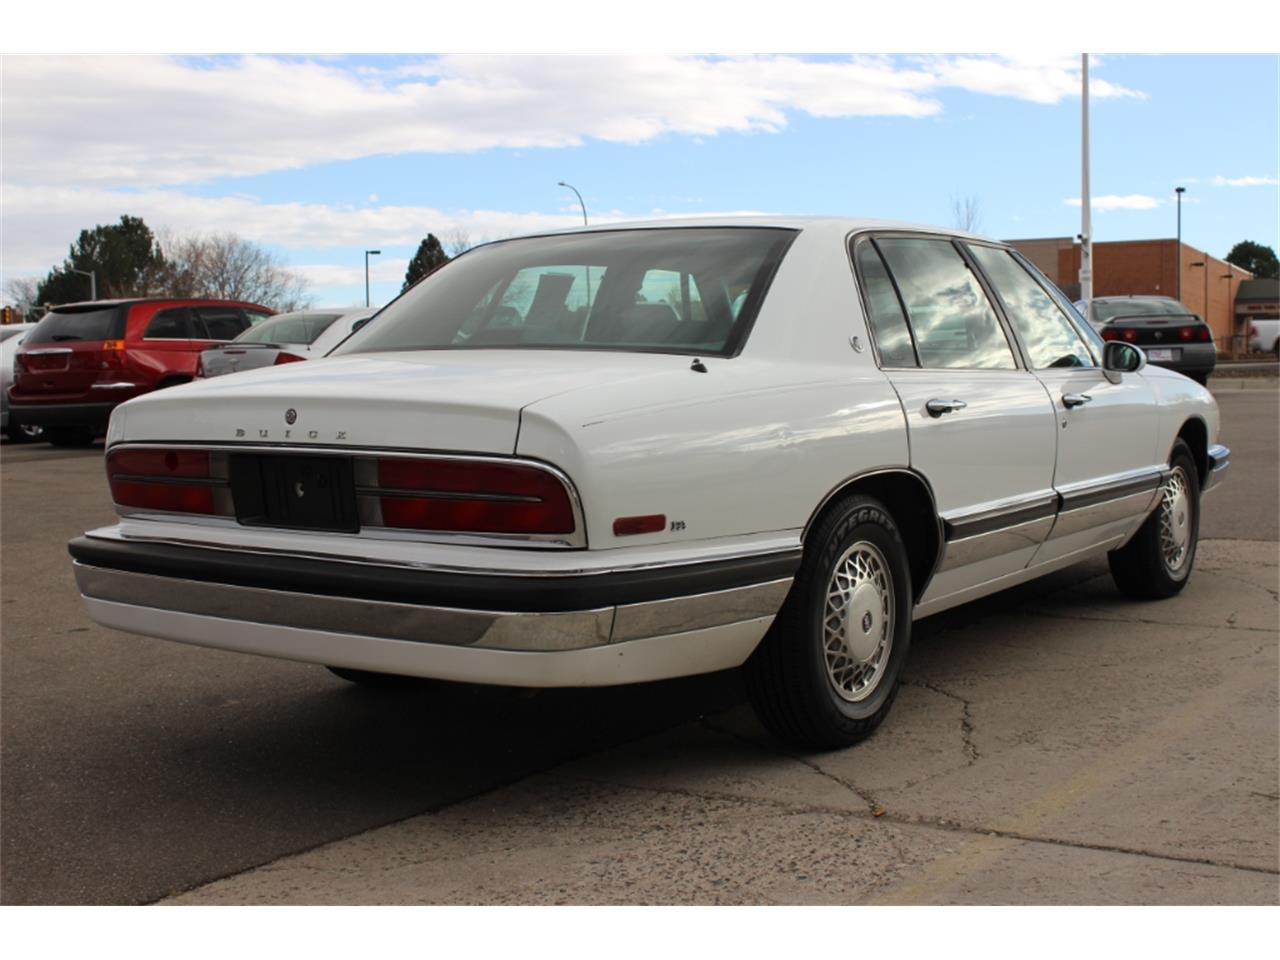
{"x": 1170, "y": 334}
{"x": 83, "y": 359}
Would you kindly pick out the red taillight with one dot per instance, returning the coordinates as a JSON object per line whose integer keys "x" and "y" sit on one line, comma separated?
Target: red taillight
{"x": 283, "y": 357}
{"x": 630, "y": 526}
{"x": 166, "y": 480}
{"x": 473, "y": 497}
{"x": 112, "y": 353}
{"x": 1204, "y": 335}
{"x": 1186, "y": 333}
{"x": 1129, "y": 335}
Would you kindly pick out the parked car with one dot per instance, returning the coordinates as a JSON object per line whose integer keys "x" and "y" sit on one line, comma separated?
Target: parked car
{"x": 1264, "y": 335}
{"x": 16, "y": 431}
{"x": 285, "y": 338}
{"x": 1170, "y": 334}
{"x": 83, "y": 359}
{"x": 10, "y": 330}
{"x": 579, "y": 459}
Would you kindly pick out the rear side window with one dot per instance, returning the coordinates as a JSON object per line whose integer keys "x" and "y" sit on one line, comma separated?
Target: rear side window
{"x": 888, "y": 322}
{"x": 289, "y": 328}
{"x": 95, "y": 323}
{"x": 220, "y": 323}
{"x": 1045, "y": 330}
{"x": 172, "y": 324}
{"x": 954, "y": 323}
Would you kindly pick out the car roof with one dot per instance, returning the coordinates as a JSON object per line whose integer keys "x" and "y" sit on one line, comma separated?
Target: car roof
{"x": 130, "y": 301}
{"x": 826, "y": 223}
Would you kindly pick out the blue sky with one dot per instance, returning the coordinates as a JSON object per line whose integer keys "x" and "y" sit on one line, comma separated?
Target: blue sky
{"x": 321, "y": 158}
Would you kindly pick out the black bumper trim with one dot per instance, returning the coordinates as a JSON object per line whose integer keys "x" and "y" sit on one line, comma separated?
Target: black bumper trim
{"x": 467, "y": 591}
{"x": 63, "y": 414}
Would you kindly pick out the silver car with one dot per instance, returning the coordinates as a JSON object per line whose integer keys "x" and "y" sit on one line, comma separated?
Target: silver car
{"x": 284, "y": 338}
{"x": 10, "y": 336}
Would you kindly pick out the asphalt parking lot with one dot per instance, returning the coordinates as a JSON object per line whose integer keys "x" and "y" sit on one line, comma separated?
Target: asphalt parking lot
{"x": 1053, "y": 744}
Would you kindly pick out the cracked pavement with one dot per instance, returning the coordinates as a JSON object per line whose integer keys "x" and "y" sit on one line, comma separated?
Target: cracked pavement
{"x": 1063, "y": 746}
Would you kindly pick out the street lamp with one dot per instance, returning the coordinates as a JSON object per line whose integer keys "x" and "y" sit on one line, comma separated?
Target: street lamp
{"x": 561, "y": 183}
{"x": 367, "y": 254}
{"x": 1179, "y": 191}
{"x": 93, "y": 282}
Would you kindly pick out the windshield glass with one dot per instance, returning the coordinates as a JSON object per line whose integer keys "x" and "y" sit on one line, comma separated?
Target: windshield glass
{"x": 1104, "y": 310}
{"x": 289, "y": 328}
{"x": 667, "y": 290}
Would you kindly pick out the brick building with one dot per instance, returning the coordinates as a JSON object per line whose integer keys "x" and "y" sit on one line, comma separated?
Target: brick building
{"x": 1150, "y": 267}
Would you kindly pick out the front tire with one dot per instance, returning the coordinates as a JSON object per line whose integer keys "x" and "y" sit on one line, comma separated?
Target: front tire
{"x": 1156, "y": 563}
{"x": 827, "y": 673}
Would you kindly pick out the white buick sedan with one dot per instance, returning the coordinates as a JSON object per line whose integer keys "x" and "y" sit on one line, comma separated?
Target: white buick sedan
{"x": 633, "y": 452}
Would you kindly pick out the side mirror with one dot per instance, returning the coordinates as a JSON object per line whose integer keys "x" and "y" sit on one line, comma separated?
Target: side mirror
{"x": 1119, "y": 357}
{"x": 360, "y": 323}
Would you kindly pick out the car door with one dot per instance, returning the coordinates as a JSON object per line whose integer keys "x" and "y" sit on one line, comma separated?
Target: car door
{"x": 979, "y": 424}
{"x": 1108, "y": 468}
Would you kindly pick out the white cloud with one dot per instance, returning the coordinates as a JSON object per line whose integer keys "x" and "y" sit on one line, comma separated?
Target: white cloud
{"x": 1132, "y": 201}
{"x": 1039, "y": 79}
{"x": 1245, "y": 181}
{"x": 38, "y": 221}
{"x": 153, "y": 121}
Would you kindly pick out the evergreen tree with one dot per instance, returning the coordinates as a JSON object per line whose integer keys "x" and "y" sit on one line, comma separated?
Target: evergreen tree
{"x": 430, "y": 257}
{"x": 124, "y": 257}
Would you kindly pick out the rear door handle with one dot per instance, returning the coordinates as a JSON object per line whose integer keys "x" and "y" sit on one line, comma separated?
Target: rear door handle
{"x": 1070, "y": 400}
{"x": 937, "y": 408}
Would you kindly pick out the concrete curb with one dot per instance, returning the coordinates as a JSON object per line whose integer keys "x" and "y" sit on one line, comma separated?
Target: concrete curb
{"x": 1223, "y": 384}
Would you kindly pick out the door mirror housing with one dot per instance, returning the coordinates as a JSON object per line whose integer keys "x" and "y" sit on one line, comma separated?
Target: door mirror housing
{"x": 1119, "y": 358}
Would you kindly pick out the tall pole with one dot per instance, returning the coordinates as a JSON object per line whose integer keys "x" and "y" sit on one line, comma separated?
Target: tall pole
{"x": 561, "y": 183}
{"x": 1179, "y": 191}
{"x": 93, "y": 281}
{"x": 1086, "y": 223}
{"x": 366, "y": 273}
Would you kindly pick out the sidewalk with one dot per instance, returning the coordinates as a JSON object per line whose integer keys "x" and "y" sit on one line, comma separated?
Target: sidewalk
{"x": 1058, "y": 746}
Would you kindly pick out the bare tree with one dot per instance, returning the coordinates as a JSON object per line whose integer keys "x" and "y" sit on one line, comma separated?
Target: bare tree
{"x": 457, "y": 241}
{"x": 22, "y": 291}
{"x": 966, "y": 213}
{"x": 229, "y": 267}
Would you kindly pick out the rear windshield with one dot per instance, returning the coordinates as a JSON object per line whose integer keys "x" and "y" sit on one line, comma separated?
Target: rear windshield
{"x": 289, "y": 328}
{"x": 692, "y": 290}
{"x": 91, "y": 323}
{"x": 1104, "y": 310}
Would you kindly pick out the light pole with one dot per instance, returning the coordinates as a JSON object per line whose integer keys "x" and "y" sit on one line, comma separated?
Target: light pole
{"x": 1086, "y": 212}
{"x": 93, "y": 281}
{"x": 367, "y": 254}
{"x": 561, "y": 183}
{"x": 1179, "y": 191}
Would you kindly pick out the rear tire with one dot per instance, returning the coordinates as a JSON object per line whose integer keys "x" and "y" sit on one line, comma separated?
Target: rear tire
{"x": 1156, "y": 563}
{"x": 23, "y": 433}
{"x": 827, "y": 672}
{"x": 69, "y": 436}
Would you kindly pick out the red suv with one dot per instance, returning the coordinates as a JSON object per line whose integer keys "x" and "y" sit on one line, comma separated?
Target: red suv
{"x": 84, "y": 358}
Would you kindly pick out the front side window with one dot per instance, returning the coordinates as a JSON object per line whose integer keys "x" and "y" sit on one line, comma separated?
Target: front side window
{"x": 954, "y": 323}
{"x": 684, "y": 290}
{"x": 220, "y": 323}
{"x": 1045, "y": 330}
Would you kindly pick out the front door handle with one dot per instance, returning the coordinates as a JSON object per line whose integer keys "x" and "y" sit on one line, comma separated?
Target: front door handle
{"x": 937, "y": 408}
{"x": 1070, "y": 400}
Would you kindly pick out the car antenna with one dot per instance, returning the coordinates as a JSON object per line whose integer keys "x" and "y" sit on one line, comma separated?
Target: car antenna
{"x": 698, "y": 366}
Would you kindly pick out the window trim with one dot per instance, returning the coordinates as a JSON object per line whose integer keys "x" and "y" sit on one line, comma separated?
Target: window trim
{"x": 957, "y": 243}
{"x": 189, "y": 322}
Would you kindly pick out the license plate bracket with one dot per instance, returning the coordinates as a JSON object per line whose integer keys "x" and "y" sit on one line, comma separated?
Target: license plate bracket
{"x": 1161, "y": 353}
{"x": 294, "y": 492}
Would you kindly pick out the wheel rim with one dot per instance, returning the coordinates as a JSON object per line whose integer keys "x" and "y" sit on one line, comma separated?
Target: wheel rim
{"x": 1176, "y": 522}
{"x": 858, "y": 621}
